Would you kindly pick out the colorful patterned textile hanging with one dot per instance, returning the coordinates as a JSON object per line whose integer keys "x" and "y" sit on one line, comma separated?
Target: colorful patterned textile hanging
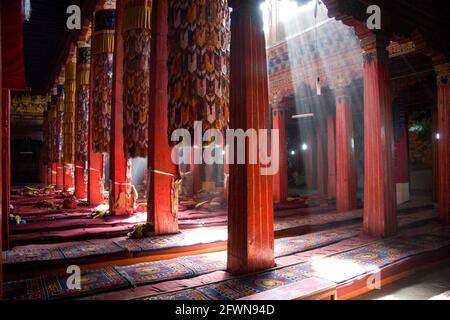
{"x": 82, "y": 112}
{"x": 136, "y": 77}
{"x": 52, "y": 125}
{"x": 102, "y": 58}
{"x": 58, "y": 136}
{"x": 69, "y": 111}
{"x": 199, "y": 50}
{"x": 46, "y": 137}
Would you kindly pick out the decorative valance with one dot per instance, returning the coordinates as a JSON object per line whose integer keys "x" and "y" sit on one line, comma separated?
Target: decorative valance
{"x": 136, "y": 77}
{"x": 199, "y": 50}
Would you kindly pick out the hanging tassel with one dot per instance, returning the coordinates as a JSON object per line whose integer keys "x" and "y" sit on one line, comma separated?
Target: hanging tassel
{"x": 318, "y": 87}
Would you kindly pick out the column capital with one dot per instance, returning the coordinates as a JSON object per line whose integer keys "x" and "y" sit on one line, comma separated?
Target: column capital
{"x": 374, "y": 46}
{"x": 442, "y": 72}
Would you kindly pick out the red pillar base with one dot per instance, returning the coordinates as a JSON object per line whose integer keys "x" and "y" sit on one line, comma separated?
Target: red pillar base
{"x": 68, "y": 176}
{"x": 59, "y": 176}
{"x": 80, "y": 183}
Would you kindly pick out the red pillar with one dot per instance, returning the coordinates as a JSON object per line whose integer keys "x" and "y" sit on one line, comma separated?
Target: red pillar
{"x": 81, "y": 119}
{"x": 118, "y": 162}
{"x": 321, "y": 163}
{"x": 331, "y": 155}
{"x": 196, "y": 170}
{"x": 162, "y": 212}
{"x": 44, "y": 174}
{"x": 1, "y": 178}
{"x": 443, "y": 71}
{"x": 309, "y": 164}
{"x": 53, "y": 173}
{"x": 6, "y": 173}
{"x": 435, "y": 164}
{"x": 345, "y": 153}
{"x": 380, "y": 215}
{"x": 59, "y": 176}
{"x": 250, "y": 209}
{"x": 280, "y": 179}
{"x": 95, "y": 160}
{"x": 401, "y": 155}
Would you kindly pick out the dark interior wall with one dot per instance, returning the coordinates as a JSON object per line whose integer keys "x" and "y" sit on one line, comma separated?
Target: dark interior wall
{"x": 25, "y": 160}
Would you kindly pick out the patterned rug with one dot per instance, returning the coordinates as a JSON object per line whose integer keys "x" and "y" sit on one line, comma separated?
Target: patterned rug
{"x": 338, "y": 268}
{"x": 348, "y": 265}
{"x": 172, "y": 241}
{"x": 91, "y": 250}
{"x": 30, "y": 289}
{"x": 179, "y": 268}
{"x": 234, "y": 288}
{"x": 152, "y": 272}
{"x": 27, "y": 255}
{"x": 92, "y": 281}
{"x": 288, "y": 246}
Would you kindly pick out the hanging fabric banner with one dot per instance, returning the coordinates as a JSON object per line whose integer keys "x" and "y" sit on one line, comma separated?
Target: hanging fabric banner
{"x": 52, "y": 115}
{"x": 199, "y": 50}
{"x": 59, "y": 119}
{"x": 136, "y": 77}
{"x": 102, "y": 58}
{"x": 69, "y": 111}
{"x": 46, "y": 139}
{"x": 82, "y": 112}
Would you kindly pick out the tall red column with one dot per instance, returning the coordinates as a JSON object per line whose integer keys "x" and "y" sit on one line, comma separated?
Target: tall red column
{"x": 321, "y": 163}
{"x": 120, "y": 184}
{"x": 6, "y": 173}
{"x": 54, "y": 173}
{"x": 345, "y": 153}
{"x": 196, "y": 171}
{"x": 401, "y": 153}
{"x": 250, "y": 209}
{"x": 435, "y": 164}
{"x": 1, "y": 177}
{"x": 95, "y": 170}
{"x": 60, "y": 116}
{"x": 443, "y": 71}
{"x": 82, "y": 118}
{"x": 69, "y": 117}
{"x": 380, "y": 216}
{"x": 309, "y": 163}
{"x": 331, "y": 131}
{"x": 280, "y": 179}
{"x": 162, "y": 211}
